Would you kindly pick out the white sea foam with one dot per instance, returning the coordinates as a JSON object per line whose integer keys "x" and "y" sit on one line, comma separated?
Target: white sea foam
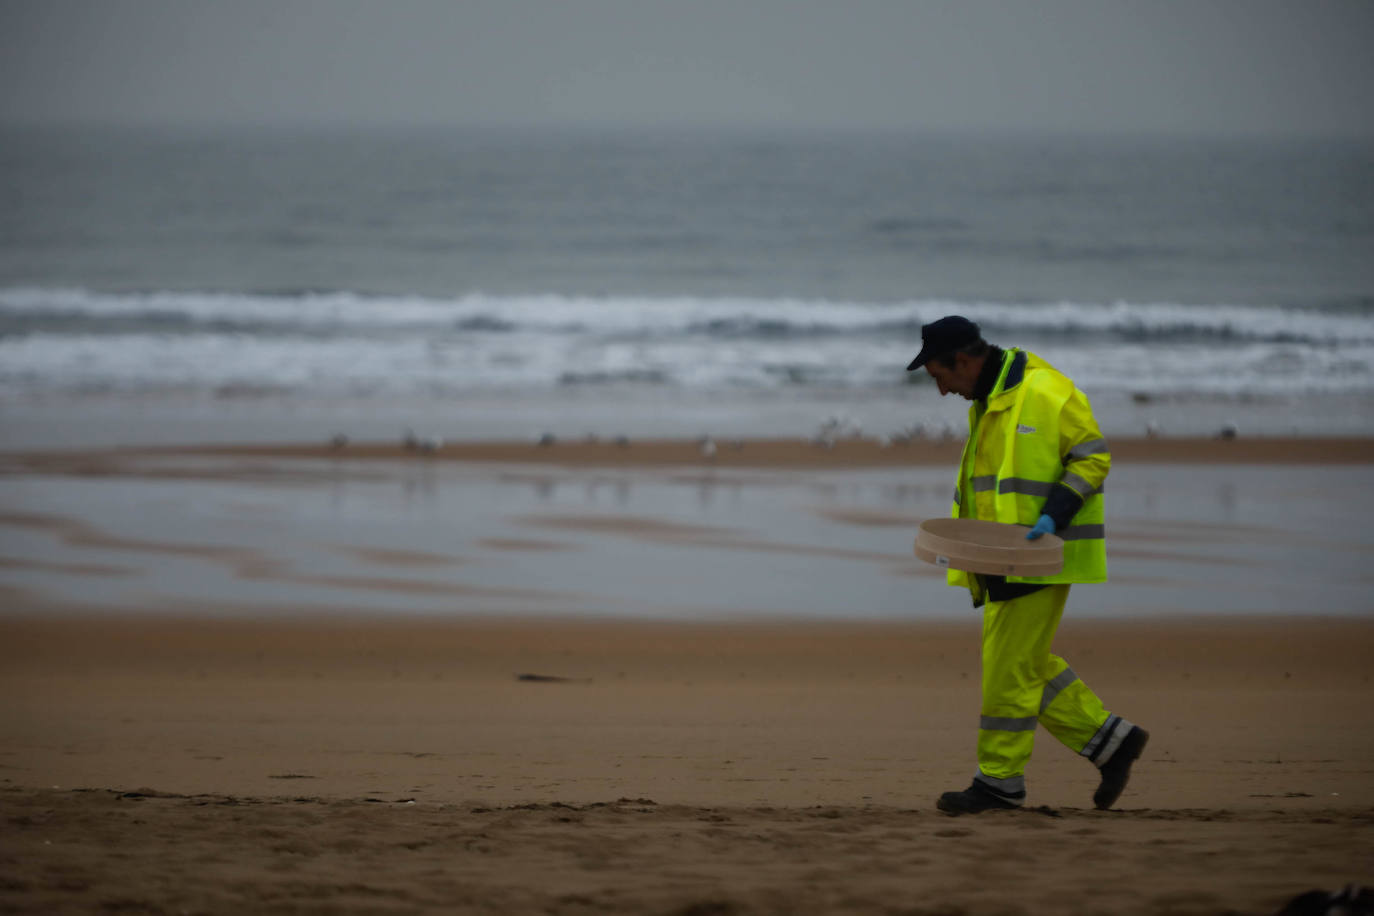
{"x": 344, "y": 343}
{"x": 343, "y": 310}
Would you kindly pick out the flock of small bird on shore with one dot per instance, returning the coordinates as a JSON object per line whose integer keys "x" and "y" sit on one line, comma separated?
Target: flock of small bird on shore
{"x": 832, "y": 430}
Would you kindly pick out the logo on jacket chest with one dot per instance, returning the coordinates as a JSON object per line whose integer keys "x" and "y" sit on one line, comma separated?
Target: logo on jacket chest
{"x": 1024, "y": 429}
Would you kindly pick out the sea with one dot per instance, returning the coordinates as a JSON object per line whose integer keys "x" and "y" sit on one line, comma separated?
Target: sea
{"x": 216, "y": 284}
{"x": 197, "y": 286}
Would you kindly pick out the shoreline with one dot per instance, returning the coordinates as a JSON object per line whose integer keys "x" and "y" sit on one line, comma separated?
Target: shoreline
{"x": 730, "y": 453}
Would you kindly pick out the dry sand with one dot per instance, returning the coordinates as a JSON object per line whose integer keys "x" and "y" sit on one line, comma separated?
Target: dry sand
{"x": 224, "y": 759}
{"x": 360, "y": 765}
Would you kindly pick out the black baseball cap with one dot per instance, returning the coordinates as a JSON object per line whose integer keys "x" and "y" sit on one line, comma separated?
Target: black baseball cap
{"x": 950, "y": 333}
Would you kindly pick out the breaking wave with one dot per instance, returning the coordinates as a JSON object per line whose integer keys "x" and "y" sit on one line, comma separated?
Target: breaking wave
{"x": 327, "y": 342}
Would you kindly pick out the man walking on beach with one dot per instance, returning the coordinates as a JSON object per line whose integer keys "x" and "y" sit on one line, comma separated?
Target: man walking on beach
{"x": 1034, "y": 457}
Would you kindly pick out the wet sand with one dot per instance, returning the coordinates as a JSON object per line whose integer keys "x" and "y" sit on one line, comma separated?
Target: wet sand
{"x": 184, "y": 738}
{"x": 727, "y": 453}
{"x": 761, "y": 528}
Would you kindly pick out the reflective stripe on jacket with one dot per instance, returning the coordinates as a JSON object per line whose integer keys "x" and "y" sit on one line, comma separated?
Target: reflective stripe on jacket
{"x": 1036, "y": 433}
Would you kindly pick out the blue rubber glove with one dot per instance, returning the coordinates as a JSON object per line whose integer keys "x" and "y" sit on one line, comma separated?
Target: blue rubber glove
{"x": 1043, "y": 527}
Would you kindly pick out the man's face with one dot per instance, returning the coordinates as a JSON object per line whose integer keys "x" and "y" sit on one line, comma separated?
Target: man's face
{"x": 957, "y": 379}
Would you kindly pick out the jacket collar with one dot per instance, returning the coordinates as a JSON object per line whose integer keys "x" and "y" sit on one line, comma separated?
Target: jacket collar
{"x": 991, "y": 370}
{"x": 1009, "y": 375}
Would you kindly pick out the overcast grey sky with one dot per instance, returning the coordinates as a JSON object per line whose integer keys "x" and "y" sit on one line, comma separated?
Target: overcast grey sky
{"x": 1241, "y": 66}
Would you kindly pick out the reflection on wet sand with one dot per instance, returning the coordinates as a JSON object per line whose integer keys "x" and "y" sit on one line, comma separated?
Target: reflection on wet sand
{"x": 274, "y": 525}
{"x": 533, "y": 544}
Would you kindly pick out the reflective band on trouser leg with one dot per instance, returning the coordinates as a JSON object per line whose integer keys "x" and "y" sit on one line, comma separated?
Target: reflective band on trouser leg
{"x": 1003, "y": 724}
{"x": 1071, "y": 712}
{"x": 1058, "y": 682}
{"x": 1103, "y": 745}
{"x": 1016, "y": 666}
{"x": 1012, "y": 789}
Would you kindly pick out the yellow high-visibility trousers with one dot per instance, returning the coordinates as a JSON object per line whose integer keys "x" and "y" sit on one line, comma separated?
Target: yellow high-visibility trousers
{"x": 1025, "y": 685}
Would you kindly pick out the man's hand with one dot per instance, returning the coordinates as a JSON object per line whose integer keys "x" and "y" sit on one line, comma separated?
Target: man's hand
{"x": 1043, "y": 527}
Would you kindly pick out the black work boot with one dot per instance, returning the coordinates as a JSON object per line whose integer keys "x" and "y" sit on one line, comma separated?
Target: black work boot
{"x": 1116, "y": 772}
{"x": 976, "y": 799}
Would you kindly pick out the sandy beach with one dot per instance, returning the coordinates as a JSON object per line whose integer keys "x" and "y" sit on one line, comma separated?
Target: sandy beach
{"x": 209, "y": 711}
{"x": 279, "y": 765}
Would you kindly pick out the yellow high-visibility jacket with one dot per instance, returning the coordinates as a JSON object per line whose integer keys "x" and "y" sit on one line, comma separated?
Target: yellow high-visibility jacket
{"x": 1036, "y": 435}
